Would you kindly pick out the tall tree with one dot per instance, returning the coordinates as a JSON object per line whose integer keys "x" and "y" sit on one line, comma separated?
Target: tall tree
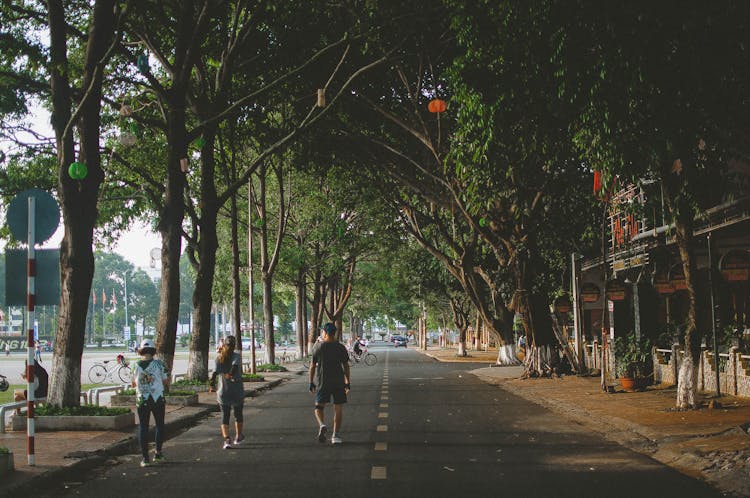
{"x": 76, "y": 104}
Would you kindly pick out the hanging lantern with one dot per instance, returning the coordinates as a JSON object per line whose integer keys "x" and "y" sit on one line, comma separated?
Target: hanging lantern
{"x": 482, "y": 222}
{"x": 200, "y": 142}
{"x": 321, "y": 97}
{"x": 142, "y": 63}
{"x": 184, "y": 165}
{"x": 78, "y": 171}
{"x": 436, "y": 106}
{"x": 127, "y": 139}
{"x": 126, "y": 110}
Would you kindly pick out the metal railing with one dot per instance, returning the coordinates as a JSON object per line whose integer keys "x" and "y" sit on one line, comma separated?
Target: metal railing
{"x": 93, "y": 393}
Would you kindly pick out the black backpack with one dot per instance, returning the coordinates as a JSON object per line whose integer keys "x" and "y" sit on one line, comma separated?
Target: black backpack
{"x": 41, "y": 374}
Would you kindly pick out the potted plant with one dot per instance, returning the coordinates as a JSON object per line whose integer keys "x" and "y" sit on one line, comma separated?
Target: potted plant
{"x": 632, "y": 356}
{"x": 6, "y": 460}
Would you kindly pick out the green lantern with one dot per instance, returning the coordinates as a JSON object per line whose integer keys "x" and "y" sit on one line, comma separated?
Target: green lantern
{"x": 142, "y": 63}
{"x": 482, "y": 222}
{"x": 78, "y": 171}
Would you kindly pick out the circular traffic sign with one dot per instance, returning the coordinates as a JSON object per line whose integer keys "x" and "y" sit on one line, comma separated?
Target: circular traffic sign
{"x": 45, "y": 222}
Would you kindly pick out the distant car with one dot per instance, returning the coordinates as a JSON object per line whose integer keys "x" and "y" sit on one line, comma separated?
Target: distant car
{"x": 400, "y": 341}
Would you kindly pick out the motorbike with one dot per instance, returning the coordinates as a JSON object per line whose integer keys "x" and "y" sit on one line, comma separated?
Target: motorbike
{"x": 4, "y": 385}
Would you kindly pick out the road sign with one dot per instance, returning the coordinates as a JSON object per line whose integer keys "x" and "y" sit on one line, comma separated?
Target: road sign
{"x": 46, "y": 220}
{"x": 47, "y": 288}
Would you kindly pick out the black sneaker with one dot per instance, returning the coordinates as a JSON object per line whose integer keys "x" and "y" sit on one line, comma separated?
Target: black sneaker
{"x": 322, "y": 434}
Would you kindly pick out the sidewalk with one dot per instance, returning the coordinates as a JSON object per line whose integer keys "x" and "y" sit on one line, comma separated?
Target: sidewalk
{"x": 710, "y": 443}
{"x": 58, "y": 453}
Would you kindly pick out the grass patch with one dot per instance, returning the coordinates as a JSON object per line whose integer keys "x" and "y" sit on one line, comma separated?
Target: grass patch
{"x": 270, "y": 367}
{"x": 85, "y": 410}
{"x": 252, "y": 377}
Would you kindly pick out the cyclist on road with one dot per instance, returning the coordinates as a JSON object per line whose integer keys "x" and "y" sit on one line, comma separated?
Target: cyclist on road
{"x": 331, "y": 359}
{"x": 150, "y": 378}
{"x": 357, "y": 346}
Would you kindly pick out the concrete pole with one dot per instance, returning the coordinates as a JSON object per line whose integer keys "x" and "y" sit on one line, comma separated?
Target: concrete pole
{"x": 577, "y": 329}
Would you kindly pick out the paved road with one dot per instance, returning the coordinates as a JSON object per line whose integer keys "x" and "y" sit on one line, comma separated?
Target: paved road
{"x": 413, "y": 428}
{"x": 12, "y": 366}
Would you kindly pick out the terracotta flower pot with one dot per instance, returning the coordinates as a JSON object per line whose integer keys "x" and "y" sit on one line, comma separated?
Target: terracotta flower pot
{"x": 629, "y": 383}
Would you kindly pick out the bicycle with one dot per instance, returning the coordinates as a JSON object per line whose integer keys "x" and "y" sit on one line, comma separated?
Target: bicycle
{"x": 106, "y": 369}
{"x": 364, "y": 355}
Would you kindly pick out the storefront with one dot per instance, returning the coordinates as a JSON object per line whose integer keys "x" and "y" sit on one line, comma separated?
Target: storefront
{"x": 644, "y": 292}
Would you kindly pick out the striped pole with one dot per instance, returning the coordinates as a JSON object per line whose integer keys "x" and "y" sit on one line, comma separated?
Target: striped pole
{"x": 30, "y": 301}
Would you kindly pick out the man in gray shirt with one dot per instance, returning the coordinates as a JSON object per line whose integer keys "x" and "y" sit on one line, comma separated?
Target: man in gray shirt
{"x": 331, "y": 360}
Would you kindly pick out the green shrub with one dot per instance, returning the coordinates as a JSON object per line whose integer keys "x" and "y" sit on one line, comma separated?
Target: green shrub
{"x": 270, "y": 367}
{"x": 251, "y": 376}
{"x": 86, "y": 410}
{"x": 3, "y": 449}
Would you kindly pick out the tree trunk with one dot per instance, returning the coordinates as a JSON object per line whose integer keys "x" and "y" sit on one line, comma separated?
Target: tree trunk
{"x": 78, "y": 198}
{"x": 204, "y": 278}
{"x": 236, "y": 300}
{"x": 306, "y": 336}
{"x": 687, "y": 380}
{"x": 300, "y": 313}
{"x": 316, "y": 304}
{"x": 674, "y": 183}
{"x": 270, "y": 351}
{"x": 170, "y": 228}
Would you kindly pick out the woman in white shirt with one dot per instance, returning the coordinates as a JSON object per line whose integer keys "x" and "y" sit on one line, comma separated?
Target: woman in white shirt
{"x": 149, "y": 379}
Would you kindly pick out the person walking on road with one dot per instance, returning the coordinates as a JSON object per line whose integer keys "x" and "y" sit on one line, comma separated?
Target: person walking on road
{"x": 230, "y": 393}
{"x": 38, "y": 353}
{"x": 331, "y": 360}
{"x": 7, "y": 348}
{"x": 150, "y": 379}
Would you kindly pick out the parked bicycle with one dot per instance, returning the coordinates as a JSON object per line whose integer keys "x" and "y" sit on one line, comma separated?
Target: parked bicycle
{"x": 107, "y": 369}
{"x": 364, "y": 355}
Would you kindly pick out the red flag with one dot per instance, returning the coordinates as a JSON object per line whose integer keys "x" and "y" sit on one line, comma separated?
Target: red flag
{"x": 597, "y": 182}
{"x": 93, "y": 296}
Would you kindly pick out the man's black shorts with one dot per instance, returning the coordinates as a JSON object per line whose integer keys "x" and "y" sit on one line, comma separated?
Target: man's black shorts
{"x": 324, "y": 396}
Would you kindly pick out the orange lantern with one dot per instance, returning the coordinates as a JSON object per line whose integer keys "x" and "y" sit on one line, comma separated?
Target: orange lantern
{"x": 436, "y": 105}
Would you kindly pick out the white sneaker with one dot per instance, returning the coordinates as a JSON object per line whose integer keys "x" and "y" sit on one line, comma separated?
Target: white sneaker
{"x": 227, "y": 444}
{"x": 322, "y": 434}
{"x": 336, "y": 439}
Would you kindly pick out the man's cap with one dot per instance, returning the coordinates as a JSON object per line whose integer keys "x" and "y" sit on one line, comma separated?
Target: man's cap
{"x": 329, "y": 328}
{"x": 146, "y": 343}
